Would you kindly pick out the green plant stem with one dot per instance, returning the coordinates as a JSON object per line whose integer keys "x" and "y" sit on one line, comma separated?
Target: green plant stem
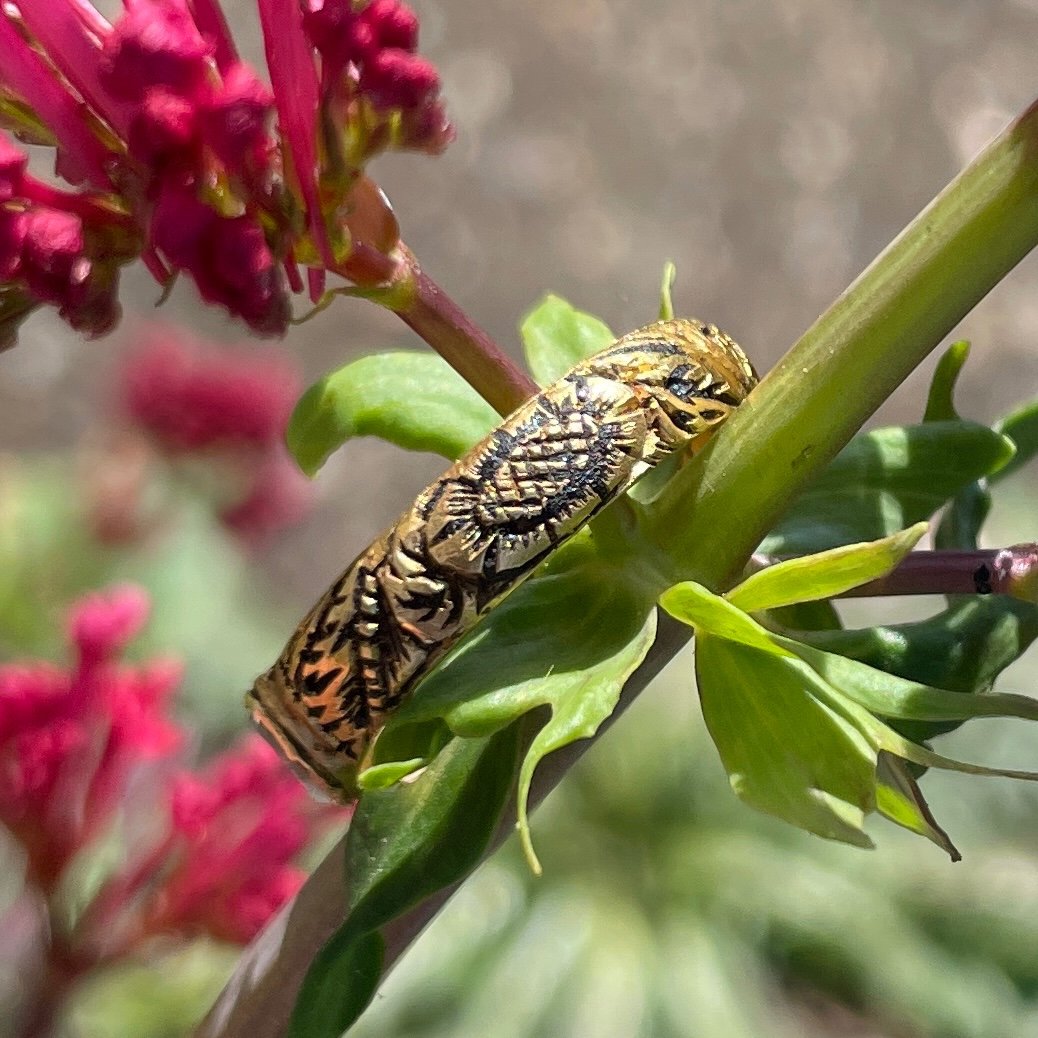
{"x": 712, "y": 515}
{"x": 429, "y": 311}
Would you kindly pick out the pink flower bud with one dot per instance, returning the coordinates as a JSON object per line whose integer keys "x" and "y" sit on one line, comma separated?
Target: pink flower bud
{"x": 236, "y": 120}
{"x": 396, "y": 79}
{"x": 102, "y": 625}
{"x": 228, "y": 258}
{"x": 154, "y": 44}
{"x": 427, "y": 128}
{"x": 164, "y": 128}
{"x": 53, "y": 255}
{"x": 57, "y": 268}
{"x": 339, "y": 33}
{"x": 394, "y": 24}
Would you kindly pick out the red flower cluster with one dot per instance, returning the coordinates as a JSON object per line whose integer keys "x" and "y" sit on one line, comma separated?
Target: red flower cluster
{"x": 229, "y": 406}
{"x": 71, "y": 740}
{"x": 238, "y": 828}
{"x": 76, "y": 743}
{"x": 378, "y": 43}
{"x": 190, "y": 397}
{"x": 186, "y": 158}
{"x": 55, "y": 248}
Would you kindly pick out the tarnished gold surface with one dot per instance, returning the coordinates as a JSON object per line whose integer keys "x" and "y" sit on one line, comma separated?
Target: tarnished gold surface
{"x": 480, "y": 529}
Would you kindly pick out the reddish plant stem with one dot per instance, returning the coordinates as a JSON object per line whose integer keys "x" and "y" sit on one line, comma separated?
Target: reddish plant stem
{"x": 398, "y": 283}
{"x": 1004, "y": 571}
{"x": 61, "y": 970}
{"x": 465, "y": 346}
{"x": 97, "y": 925}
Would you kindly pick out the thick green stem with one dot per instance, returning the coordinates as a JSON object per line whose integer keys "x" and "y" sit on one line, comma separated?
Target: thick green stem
{"x": 713, "y": 514}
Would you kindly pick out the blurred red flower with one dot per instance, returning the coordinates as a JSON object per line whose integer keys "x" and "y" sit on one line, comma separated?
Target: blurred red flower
{"x": 79, "y": 744}
{"x": 72, "y": 739}
{"x": 239, "y": 826}
{"x": 228, "y": 409}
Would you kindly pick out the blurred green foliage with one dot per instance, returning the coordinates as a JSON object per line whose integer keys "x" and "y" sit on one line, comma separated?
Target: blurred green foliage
{"x": 198, "y": 579}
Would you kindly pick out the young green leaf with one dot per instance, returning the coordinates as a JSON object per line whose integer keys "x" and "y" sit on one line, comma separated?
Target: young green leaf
{"x": 403, "y": 845}
{"x": 415, "y": 400}
{"x": 1021, "y": 426}
{"x": 556, "y": 336}
{"x": 960, "y": 525}
{"x": 695, "y": 605}
{"x": 824, "y": 575}
{"x": 940, "y": 403}
{"x": 899, "y": 798}
{"x": 962, "y": 648}
{"x": 580, "y": 701}
{"x": 785, "y": 752}
{"x": 670, "y": 273}
{"x": 886, "y": 738}
{"x": 807, "y": 616}
{"x": 886, "y": 480}
{"x": 796, "y": 728}
{"x": 890, "y": 696}
{"x": 959, "y": 528}
{"x": 568, "y": 639}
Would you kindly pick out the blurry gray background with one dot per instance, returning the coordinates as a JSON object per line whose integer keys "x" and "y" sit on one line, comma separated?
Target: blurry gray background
{"x": 769, "y": 149}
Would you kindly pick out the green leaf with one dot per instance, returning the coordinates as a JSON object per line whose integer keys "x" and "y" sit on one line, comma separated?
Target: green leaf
{"x": 886, "y": 738}
{"x": 695, "y": 605}
{"x": 794, "y": 726}
{"x": 670, "y": 273}
{"x": 1021, "y": 426}
{"x": 785, "y": 752}
{"x": 567, "y": 639}
{"x": 940, "y": 404}
{"x": 886, "y": 480}
{"x": 415, "y": 400}
{"x": 807, "y": 616}
{"x": 556, "y": 336}
{"x": 382, "y": 776}
{"x": 960, "y": 525}
{"x": 899, "y": 798}
{"x": 403, "y": 845}
{"x": 959, "y": 528}
{"x": 824, "y": 575}
{"x": 580, "y": 702}
{"x": 890, "y": 696}
{"x": 962, "y": 648}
